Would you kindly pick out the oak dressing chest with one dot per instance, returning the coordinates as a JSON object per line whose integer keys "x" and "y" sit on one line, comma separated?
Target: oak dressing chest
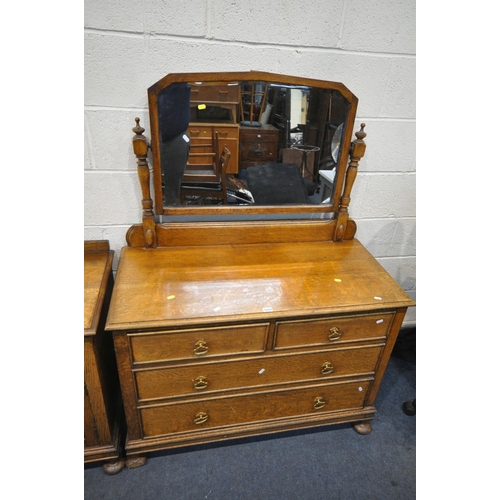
{"x": 245, "y": 320}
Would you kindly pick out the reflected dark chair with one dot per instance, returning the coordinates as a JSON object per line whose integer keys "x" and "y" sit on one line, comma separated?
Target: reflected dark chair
{"x": 277, "y": 184}
{"x": 205, "y": 181}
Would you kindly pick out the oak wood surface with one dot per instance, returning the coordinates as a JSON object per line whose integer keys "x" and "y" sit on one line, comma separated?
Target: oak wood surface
{"x": 97, "y": 268}
{"x": 173, "y": 381}
{"x": 232, "y": 410}
{"x": 179, "y": 285}
{"x": 353, "y": 328}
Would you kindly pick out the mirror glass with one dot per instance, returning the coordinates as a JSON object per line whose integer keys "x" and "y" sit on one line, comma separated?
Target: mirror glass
{"x": 263, "y": 144}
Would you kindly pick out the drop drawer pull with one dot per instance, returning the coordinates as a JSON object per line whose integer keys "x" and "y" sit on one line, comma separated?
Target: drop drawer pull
{"x": 200, "y": 383}
{"x": 334, "y": 333}
{"x": 200, "y": 348}
{"x": 326, "y": 368}
{"x": 200, "y": 418}
{"x": 319, "y": 403}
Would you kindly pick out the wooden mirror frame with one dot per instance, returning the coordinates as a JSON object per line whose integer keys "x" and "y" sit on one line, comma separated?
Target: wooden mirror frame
{"x": 336, "y": 212}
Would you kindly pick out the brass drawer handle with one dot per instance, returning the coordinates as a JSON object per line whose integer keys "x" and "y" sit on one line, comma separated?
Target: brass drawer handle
{"x": 319, "y": 403}
{"x": 200, "y": 383}
{"x": 257, "y": 151}
{"x": 200, "y": 418}
{"x": 326, "y": 368}
{"x": 334, "y": 333}
{"x": 200, "y": 348}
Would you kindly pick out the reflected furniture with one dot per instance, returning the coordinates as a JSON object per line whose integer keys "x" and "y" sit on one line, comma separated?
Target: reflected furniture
{"x": 258, "y": 145}
{"x": 199, "y": 184}
{"x": 277, "y": 184}
{"x": 214, "y": 109}
{"x": 103, "y": 411}
{"x": 203, "y": 146}
{"x": 231, "y": 322}
{"x": 325, "y": 184}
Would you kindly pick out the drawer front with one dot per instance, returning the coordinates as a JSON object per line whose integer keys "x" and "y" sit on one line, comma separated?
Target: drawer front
{"x": 200, "y": 135}
{"x": 258, "y": 151}
{"x": 258, "y": 135}
{"x": 213, "y": 413}
{"x": 226, "y": 132}
{"x": 215, "y": 93}
{"x": 263, "y": 371}
{"x": 197, "y": 344}
{"x": 330, "y": 331}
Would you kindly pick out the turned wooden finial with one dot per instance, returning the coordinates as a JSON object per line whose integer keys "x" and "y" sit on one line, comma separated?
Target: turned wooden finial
{"x": 138, "y": 129}
{"x": 359, "y": 135}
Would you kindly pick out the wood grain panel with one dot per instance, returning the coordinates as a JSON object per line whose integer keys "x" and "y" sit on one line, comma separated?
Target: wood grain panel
{"x": 228, "y": 411}
{"x": 174, "y": 345}
{"x": 256, "y": 372}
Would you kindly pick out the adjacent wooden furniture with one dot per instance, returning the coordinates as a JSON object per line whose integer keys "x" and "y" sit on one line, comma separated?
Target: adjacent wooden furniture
{"x": 258, "y": 145}
{"x": 103, "y": 411}
{"x": 225, "y": 328}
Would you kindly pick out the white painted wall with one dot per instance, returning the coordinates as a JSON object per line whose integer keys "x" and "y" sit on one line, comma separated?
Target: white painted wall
{"x": 368, "y": 46}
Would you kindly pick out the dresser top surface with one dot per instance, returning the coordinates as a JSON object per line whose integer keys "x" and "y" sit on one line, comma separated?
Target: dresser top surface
{"x": 181, "y": 285}
{"x": 97, "y": 266}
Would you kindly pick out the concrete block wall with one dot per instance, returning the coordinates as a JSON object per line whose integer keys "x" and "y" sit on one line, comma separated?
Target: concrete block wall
{"x": 368, "y": 46}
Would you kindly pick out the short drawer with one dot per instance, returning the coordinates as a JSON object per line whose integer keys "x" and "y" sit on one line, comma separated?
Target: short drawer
{"x": 226, "y": 132}
{"x": 200, "y": 135}
{"x": 233, "y": 410}
{"x": 198, "y": 343}
{"x": 329, "y": 331}
{"x": 257, "y": 372}
{"x": 258, "y": 151}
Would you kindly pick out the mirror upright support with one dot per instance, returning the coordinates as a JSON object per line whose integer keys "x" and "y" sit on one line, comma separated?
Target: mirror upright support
{"x": 346, "y": 228}
{"x": 141, "y": 146}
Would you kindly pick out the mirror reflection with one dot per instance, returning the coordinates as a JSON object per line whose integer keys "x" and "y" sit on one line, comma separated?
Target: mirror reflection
{"x": 250, "y": 143}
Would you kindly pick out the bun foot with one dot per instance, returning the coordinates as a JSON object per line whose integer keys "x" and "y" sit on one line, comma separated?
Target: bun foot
{"x": 410, "y": 407}
{"x": 363, "y": 427}
{"x": 134, "y": 462}
{"x": 113, "y": 468}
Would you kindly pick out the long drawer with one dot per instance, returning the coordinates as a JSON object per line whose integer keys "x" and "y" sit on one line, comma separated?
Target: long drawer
{"x": 205, "y": 133}
{"x": 329, "y": 331}
{"x": 233, "y": 410}
{"x": 215, "y": 93}
{"x": 198, "y": 343}
{"x": 203, "y": 378}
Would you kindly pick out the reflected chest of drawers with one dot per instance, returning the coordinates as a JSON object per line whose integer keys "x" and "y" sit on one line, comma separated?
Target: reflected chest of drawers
{"x": 202, "y": 137}
{"x": 258, "y": 145}
{"x": 219, "y": 342}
